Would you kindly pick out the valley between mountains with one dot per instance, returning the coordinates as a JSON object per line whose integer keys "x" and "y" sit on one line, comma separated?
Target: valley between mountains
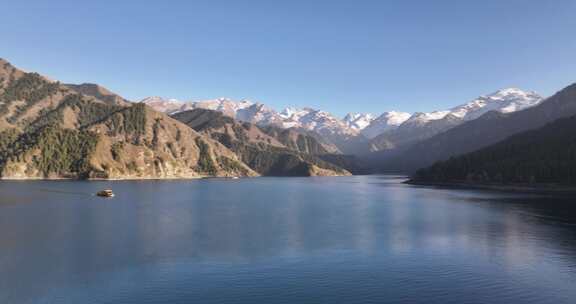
{"x": 51, "y": 130}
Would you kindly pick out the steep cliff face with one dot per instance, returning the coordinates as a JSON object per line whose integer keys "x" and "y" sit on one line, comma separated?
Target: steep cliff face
{"x": 267, "y": 150}
{"x": 48, "y": 130}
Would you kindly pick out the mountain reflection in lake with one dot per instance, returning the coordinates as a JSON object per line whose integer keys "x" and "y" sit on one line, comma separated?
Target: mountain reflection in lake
{"x": 363, "y": 239}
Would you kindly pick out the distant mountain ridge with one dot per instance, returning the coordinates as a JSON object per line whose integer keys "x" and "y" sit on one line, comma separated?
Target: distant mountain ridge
{"x": 421, "y": 126}
{"x": 488, "y": 129}
{"x": 328, "y": 126}
{"x": 359, "y": 133}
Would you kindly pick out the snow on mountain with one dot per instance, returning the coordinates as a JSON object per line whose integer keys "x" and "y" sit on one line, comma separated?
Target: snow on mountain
{"x": 243, "y": 110}
{"x": 424, "y": 125}
{"x": 324, "y": 123}
{"x": 385, "y": 122}
{"x": 504, "y": 100}
{"x": 294, "y": 113}
{"x": 164, "y": 105}
{"x": 356, "y": 127}
{"x": 422, "y": 118}
{"x": 225, "y": 105}
{"x": 260, "y": 114}
{"x": 358, "y": 121}
{"x": 290, "y": 117}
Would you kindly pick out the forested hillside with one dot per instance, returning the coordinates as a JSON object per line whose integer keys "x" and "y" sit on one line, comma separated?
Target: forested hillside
{"x": 49, "y": 130}
{"x": 539, "y": 157}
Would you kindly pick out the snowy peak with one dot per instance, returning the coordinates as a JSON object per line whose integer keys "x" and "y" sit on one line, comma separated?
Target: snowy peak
{"x": 256, "y": 113}
{"x": 508, "y": 93}
{"x": 225, "y": 105}
{"x": 425, "y": 125}
{"x": 420, "y": 118}
{"x": 295, "y": 114}
{"x": 504, "y": 100}
{"x": 164, "y": 105}
{"x": 244, "y": 110}
{"x": 385, "y": 122}
{"x": 321, "y": 122}
{"x": 358, "y": 121}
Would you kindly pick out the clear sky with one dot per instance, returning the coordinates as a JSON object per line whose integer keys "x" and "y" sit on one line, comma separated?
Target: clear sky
{"x": 340, "y": 56}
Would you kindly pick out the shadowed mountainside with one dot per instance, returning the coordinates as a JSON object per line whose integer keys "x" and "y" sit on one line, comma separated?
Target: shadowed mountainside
{"x": 488, "y": 129}
{"x": 267, "y": 150}
{"x": 544, "y": 156}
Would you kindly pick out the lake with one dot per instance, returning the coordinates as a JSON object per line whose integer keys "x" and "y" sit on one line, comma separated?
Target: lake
{"x": 361, "y": 239}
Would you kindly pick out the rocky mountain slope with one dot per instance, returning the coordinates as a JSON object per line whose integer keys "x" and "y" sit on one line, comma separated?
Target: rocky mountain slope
{"x": 268, "y": 150}
{"x": 50, "y": 130}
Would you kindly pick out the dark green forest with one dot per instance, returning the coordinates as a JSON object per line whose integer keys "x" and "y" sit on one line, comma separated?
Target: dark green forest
{"x": 65, "y": 152}
{"x": 62, "y": 151}
{"x": 30, "y": 88}
{"x": 543, "y": 156}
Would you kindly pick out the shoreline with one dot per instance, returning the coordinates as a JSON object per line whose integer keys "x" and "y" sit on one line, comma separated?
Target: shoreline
{"x": 145, "y": 178}
{"x": 541, "y": 189}
{"x": 110, "y": 179}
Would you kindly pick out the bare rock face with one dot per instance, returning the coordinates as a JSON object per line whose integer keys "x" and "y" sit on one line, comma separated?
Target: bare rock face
{"x": 49, "y": 130}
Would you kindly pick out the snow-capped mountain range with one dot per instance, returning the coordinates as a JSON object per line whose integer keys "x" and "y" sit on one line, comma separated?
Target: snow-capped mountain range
{"x": 244, "y": 110}
{"x": 425, "y": 125}
{"x": 364, "y": 125}
{"x": 385, "y": 122}
{"x": 505, "y": 101}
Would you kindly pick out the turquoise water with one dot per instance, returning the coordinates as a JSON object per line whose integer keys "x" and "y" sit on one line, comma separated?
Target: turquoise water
{"x": 363, "y": 239}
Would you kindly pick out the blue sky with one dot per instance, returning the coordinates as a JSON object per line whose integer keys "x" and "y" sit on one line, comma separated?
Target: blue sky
{"x": 340, "y": 56}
